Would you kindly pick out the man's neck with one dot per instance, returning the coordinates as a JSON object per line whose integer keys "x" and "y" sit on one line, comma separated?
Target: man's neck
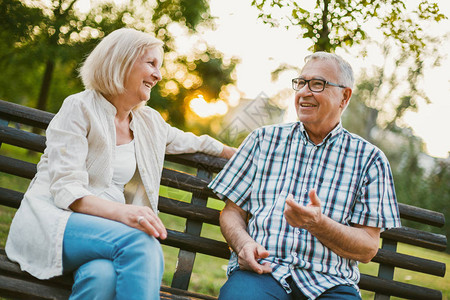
{"x": 317, "y": 135}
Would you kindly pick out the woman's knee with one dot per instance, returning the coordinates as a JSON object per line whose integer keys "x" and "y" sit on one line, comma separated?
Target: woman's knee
{"x": 142, "y": 247}
{"x": 97, "y": 279}
{"x": 142, "y": 243}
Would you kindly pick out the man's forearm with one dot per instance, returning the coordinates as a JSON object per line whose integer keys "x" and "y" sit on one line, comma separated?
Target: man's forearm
{"x": 234, "y": 227}
{"x": 359, "y": 243}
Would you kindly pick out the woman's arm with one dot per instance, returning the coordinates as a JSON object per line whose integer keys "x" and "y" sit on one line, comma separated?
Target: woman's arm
{"x": 140, "y": 217}
{"x": 227, "y": 152}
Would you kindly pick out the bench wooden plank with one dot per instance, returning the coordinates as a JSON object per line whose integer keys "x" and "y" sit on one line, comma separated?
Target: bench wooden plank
{"x": 198, "y": 160}
{"x": 17, "y": 167}
{"x": 186, "y": 182}
{"x": 196, "y": 244}
{"x": 417, "y": 237}
{"x": 10, "y": 198}
{"x": 29, "y": 290}
{"x": 409, "y": 262}
{"x": 25, "y": 115}
{"x": 189, "y": 210}
{"x": 23, "y": 139}
{"x": 398, "y": 289}
{"x": 421, "y": 215}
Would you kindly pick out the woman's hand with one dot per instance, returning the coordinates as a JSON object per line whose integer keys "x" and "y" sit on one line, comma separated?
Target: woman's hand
{"x": 143, "y": 218}
{"x": 227, "y": 152}
{"x": 140, "y": 217}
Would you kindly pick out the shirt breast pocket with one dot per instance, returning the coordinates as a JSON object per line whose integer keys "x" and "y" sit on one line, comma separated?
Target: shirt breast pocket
{"x": 338, "y": 195}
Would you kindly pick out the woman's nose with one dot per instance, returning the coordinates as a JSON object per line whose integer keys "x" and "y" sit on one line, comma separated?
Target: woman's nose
{"x": 157, "y": 74}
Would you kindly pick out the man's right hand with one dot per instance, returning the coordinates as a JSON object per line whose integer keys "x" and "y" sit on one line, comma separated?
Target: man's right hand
{"x": 249, "y": 256}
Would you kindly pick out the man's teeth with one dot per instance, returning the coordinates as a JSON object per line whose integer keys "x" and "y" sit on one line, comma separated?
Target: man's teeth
{"x": 306, "y": 105}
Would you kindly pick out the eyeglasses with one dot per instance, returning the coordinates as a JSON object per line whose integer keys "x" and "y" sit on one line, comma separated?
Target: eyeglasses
{"x": 315, "y": 85}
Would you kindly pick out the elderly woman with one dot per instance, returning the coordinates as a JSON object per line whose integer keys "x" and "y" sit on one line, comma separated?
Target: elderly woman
{"x": 92, "y": 207}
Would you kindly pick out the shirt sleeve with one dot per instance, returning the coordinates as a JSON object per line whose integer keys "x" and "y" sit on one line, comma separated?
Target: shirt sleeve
{"x": 67, "y": 149}
{"x": 376, "y": 205}
{"x": 179, "y": 141}
{"x": 235, "y": 180}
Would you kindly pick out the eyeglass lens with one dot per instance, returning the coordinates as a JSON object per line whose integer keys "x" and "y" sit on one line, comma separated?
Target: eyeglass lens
{"x": 315, "y": 85}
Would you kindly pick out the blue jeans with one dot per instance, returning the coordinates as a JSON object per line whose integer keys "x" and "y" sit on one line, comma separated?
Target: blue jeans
{"x": 251, "y": 286}
{"x": 111, "y": 260}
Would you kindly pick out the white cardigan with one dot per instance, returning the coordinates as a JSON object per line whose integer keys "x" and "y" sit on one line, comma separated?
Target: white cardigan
{"x": 77, "y": 162}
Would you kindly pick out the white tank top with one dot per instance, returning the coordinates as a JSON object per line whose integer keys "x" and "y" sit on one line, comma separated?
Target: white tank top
{"x": 124, "y": 166}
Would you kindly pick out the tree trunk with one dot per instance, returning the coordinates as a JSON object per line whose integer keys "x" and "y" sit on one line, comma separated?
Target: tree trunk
{"x": 45, "y": 86}
{"x": 323, "y": 44}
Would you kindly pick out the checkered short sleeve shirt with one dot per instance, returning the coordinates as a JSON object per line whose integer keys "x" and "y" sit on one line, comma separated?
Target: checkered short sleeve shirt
{"x": 351, "y": 176}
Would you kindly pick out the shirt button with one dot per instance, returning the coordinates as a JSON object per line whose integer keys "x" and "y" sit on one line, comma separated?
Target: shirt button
{"x": 310, "y": 169}
{"x": 294, "y": 254}
{"x": 297, "y": 231}
{"x": 305, "y": 190}
{"x": 291, "y": 267}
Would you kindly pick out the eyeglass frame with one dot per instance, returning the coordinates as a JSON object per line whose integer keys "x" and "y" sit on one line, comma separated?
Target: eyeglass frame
{"x": 325, "y": 83}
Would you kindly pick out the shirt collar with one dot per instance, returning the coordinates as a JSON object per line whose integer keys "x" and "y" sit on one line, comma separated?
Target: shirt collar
{"x": 105, "y": 104}
{"x": 331, "y": 136}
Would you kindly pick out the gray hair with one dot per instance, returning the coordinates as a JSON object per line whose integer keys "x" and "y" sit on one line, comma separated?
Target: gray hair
{"x": 346, "y": 71}
{"x": 109, "y": 64}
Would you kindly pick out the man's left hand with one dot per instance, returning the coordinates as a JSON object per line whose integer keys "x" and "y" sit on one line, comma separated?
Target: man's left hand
{"x": 303, "y": 216}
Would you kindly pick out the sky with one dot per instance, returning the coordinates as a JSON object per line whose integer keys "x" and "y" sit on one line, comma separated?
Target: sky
{"x": 262, "y": 49}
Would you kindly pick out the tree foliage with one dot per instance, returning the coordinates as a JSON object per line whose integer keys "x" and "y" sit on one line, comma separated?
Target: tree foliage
{"x": 333, "y": 24}
{"x": 44, "y": 43}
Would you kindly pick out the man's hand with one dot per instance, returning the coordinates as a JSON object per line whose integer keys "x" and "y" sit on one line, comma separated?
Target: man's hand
{"x": 249, "y": 256}
{"x": 303, "y": 216}
{"x": 356, "y": 242}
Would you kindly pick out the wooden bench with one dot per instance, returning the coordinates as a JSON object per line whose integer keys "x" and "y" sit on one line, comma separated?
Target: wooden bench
{"x": 19, "y": 285}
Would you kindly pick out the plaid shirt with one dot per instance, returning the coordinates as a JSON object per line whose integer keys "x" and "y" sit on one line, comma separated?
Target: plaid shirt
{"x": 352, "y": 179}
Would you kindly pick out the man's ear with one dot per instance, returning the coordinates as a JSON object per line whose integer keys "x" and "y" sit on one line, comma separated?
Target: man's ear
{"x": 346, "y": 95}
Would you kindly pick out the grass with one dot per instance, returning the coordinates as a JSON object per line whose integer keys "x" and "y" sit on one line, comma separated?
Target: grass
{"x": 209, "y": 273}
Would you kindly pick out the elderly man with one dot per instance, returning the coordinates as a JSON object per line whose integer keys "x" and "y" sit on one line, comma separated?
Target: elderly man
{"x": 307, "y": 200}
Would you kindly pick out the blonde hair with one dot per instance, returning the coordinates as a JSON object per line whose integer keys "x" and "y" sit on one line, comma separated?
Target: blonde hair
{"x": 108, "y": 65}
{"x": 346, "y": 71}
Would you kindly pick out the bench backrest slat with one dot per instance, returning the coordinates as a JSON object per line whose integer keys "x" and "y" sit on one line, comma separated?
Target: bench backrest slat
{"x": 186, "y": 182}
{"x": 422, "y": 215}
{"x": 10, "y": 198}
{"x": 196, "y": 244}
{"x": 23, "y": 139}
{"x": 417, "y": 237}
{"x": 25, "y": 115}
{"x": 189, "y": 210}
{"x": 399, "y": 289}
{"x": 409, "y": 262}
{"x": 17, "y": 167}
